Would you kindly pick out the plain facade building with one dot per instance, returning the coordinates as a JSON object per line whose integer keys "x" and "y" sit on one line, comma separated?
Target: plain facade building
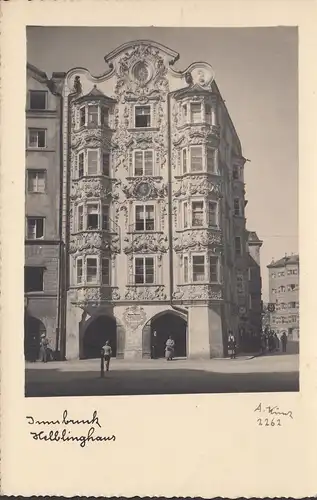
{"x": 42, "y": 209}
{"x": 284, "y": 294}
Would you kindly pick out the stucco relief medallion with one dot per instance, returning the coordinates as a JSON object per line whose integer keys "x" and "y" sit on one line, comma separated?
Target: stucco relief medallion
{"x": 134, "y": 316}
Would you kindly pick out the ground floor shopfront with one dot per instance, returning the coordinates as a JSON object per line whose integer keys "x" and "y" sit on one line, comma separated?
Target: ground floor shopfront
{"x": 141, "y": 331}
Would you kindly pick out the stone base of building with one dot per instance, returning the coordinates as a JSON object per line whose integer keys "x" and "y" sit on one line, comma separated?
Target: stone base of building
{"x": 140, "y": 331}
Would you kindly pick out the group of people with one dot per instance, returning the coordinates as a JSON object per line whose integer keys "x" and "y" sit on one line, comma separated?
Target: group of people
{"x": 270, "y": 341}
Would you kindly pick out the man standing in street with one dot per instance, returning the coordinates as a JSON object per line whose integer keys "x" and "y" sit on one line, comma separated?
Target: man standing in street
{"x": 43, "y": 348}
{"x": 284, "y": 341}
{"x": 232, "y": 344}
{"x": 107, "y": 354}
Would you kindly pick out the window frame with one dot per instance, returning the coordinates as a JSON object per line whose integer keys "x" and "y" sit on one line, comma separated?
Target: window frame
{"x": 42, "y": 268}
{"x": 36, "y": 171}
{"x": 80, "y": 259}
{"x": 144, "y": 257}
{"x": 34, "y": 129}
{"x": 143, "y": 151}
{"x": 89, "y": 150}
{"x": 216, "y": 204}
{"x": 184, "y": 152}
{"x": 211, "y": 259}
{"x": 191, "y": 104}
{"x": 237, "y": 213}
{"x": 197, "y": 254}
{"x": 144, "y": 205}
{"x": 109, "y": 271}
{"x": 238, "y": 254}
{"x": 33, "y": 91}
{"x": 203, "y": 163}
{"x": 203, "y": 211}
{"x": 96, "y": 282}
{"x": 32, "y": 217}
{"x": 136, "y": 106}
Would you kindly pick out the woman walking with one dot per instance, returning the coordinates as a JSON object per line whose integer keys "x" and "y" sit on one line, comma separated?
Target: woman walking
{"x": 169, "y": 348}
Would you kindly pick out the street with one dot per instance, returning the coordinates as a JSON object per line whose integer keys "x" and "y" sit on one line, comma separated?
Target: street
{"x": 271, "y": 373}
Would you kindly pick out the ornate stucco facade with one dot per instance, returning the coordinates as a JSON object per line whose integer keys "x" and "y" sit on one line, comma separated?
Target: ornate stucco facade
{"x": 153, "y": 207}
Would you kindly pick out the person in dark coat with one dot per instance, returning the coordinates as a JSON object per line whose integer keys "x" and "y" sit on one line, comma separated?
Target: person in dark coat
{"x": 284, "y": 341}
{"x": 277, "y": 342}
{"x": 232, "y": 345}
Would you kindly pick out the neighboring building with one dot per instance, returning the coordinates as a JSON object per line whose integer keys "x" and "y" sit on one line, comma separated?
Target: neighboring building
{"x": 42, "y": 210}
{"x": 284, "y": 293}
{"x": 255, "y": 283}
{"x": 152, "y": 213}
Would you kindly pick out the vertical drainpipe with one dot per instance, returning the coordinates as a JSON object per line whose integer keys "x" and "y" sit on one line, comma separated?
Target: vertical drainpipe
{"x": 170, "y": 210}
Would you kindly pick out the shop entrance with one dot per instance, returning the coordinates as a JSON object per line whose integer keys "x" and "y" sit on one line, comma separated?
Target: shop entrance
{"x": 100, "y": 330}
{"x": 162, "y": 327}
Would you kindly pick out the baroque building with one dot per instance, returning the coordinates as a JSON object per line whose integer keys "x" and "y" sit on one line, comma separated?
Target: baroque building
{"x": 153, "y": 208}
{"x": 42, "y": 210}
{"x": 284, "y": 294}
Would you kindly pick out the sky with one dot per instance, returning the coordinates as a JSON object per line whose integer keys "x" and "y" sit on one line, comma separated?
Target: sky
{"x": 256, "y": 70}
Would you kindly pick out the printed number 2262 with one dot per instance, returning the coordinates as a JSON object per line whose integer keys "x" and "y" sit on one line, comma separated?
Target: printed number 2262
{"x": 267, "y": 422}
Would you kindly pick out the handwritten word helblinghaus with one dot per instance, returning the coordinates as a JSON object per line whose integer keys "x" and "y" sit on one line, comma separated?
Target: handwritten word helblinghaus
{"x": 64, "y": 432}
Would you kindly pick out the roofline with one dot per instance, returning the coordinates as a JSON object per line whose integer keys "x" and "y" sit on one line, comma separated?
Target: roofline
{"x": 280, "y": 263}
{"x": 126, "y": 45}
{"x": 36, "y": 70}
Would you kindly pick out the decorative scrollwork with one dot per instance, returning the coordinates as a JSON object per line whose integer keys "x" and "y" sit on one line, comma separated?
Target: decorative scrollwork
{"x": 197, "y": 240}
{"x": 94, "y": 242}
{"x": 145, "y": 243}
{"x": 197, "y": 292}
{"x": 149, "y": 292}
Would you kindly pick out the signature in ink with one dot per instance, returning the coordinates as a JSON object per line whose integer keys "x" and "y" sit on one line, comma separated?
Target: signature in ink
{"x": 273, "y": 410}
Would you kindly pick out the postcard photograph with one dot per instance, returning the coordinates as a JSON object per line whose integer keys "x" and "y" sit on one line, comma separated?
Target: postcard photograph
{"x": 161, "y": 211}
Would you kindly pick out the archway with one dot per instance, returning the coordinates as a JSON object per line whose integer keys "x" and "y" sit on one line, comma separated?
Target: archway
{"x": 164, "y": 325}
{"x": 33, "y": 329}
{"x": 98, "y": 331}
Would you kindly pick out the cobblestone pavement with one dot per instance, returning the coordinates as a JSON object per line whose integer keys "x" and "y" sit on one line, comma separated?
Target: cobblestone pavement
{"x": 271, "y": 373}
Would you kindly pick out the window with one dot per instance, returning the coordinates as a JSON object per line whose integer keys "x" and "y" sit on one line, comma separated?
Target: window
{"x": 273, "y": 275}
{"x": 237, "y": 245}
{"x": 292, "y": 272}
{"x": 37, "y": 138}
{"x": 240, "y": 284}
{"x": 212, "y": 214}
{"x": 184, "y": 160}
{"x": 92, "y": 115}
{"x": 291, "y": 305}
{"x": 82, "y": 116}
{"x": 79, "y": 271}
{"x": 282, "y": 289}
{"x": 185, "y": 269}
{"x": 250, "y": 301}
{"x": 143, "y": 163}
{"x": 92, "y": 167}
{"x": 208, "y": 113}
{"x": 198, "y": 268}
{"x": 105, "y": 271}
{"x": 92, "y": 216}
{"x": 211, "y": 160}
{"x": 143, "y": 116}
{"x": 91, "y": 269}
{"x": 197, "y": 213}
{"x": 35, "y": 228}
{"x": 196, "y": 158}
{"x": 236, "y": 207}
{"x": 291, "y": 288}
{"x": 38, "y": 99}
{"x": 195, "y": 113}
{"x": 106, "y": 164}
{"x": 80, "y": 218}
{"x": 144, "y": 270}
{"x": 104, "y": 116}
{"x": 213, "y": 269}
{"x": 105, "y": 217}
{"x": 81, "y": 165}
{"x": 33, "y": 279}
{"x": 185, "y": 214}
{"x": 144, "y": 218}
{"x": 235, "y": 172}
{"x": 281, "y": 274}
{"x": 36, "y": 181}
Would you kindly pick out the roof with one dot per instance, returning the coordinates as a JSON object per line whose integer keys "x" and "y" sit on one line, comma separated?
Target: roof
{"x": 284, "y": 261}
{"x": 253, "y": 238}
{"x": 37, "y": 72}
{"x": 191, "y": 89}
{"x": 95, "y": 92}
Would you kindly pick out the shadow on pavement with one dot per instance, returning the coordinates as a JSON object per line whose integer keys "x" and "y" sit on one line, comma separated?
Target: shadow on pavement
{"x": 140, "y": 382}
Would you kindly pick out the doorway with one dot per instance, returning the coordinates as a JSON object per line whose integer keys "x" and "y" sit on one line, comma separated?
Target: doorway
{"x": 33, "y": 329}
{"x": 100, "y": 330}
{"x": 162, "y": 327}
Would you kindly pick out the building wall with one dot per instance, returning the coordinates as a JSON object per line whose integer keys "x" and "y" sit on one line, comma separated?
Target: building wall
{"x": 211, "y": 307}
{"x": 284, "y": 293}
{"x": 43, "y": 252}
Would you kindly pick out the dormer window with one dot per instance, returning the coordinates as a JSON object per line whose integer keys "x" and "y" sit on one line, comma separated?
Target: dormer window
{"x": 93, "y": 115}
{"x": 142, "y": 116}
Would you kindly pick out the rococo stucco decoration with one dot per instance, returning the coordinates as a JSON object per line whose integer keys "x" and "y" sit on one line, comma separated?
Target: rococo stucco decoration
{"x": 149, "y": 292}
{"x": 145, "y": 243}
{"x": 134, "y": 316}
{"x": 93, "y": 242}
{"x": 143, "y": 188}
{"x": 197, "y": 240}
{"x": 198, "y": 184}
{"x": 82, "y": 189}
{"x": 197, "y": 292}
{"x": 94, "y": 295}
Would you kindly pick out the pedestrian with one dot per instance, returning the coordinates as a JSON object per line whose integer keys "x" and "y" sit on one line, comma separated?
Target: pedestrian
{"x": 107, "y": 354}
{"x": 263, "y": 343}
{"x": 284, "y": 341}
{"x": 154, "y": 345}
{"x": 232, "y": 345}
{"x": 169, "y": 348}
{"x": 277, "y": 342}
{"x": 43, "y": 348}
